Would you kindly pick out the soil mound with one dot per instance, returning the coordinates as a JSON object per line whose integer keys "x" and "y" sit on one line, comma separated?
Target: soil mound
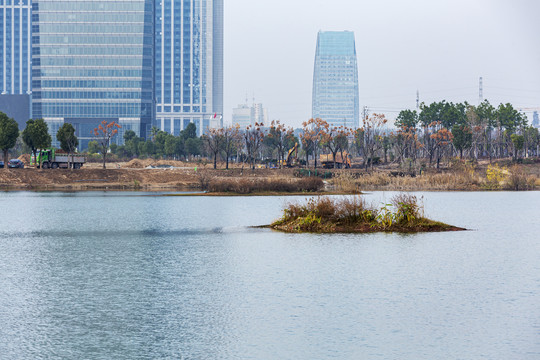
{"x": 25, "y": 158}
{"x": 138, "y": 164}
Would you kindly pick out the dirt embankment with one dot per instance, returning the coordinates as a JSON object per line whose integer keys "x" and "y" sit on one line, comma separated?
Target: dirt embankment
{"x": 97, "y": 179}
{"x": 137, "y": 174}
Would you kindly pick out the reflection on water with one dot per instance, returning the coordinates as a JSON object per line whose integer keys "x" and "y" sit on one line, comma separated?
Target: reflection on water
{"x": 139, "y": 277}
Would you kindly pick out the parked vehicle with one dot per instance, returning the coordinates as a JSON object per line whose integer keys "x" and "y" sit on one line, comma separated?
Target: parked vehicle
{"x": 54, "y": 159}
{"x": 1, "y": 164}
{"x": 15, "y": 163}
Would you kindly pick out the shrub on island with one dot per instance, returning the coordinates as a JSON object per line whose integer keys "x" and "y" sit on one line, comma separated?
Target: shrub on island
{"x": 323, "y": 214}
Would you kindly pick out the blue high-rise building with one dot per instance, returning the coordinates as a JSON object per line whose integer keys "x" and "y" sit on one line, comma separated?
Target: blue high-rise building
{"x": 15, "y": 57}
{"x": 189, "y": 64}
{"x": 15, "y": 45}
{"x": 91, "y": 61}
{"x": 335, "y": 79}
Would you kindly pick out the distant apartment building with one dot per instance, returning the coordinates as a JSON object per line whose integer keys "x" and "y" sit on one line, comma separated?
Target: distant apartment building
{"x": 93, "y": 61}
{"x": 536, "y": 121}
{"x": 335, "y": 79}
{"x": 245, "y": 115}
{"x": 15, "y": 51}
{"x": 189, "y": 64}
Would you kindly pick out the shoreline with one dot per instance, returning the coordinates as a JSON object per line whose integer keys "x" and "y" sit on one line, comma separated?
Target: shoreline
{"x": 248, "y": 182}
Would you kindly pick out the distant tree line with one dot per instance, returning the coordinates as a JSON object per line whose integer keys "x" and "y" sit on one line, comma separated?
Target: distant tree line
{"x": 440, "y": 130}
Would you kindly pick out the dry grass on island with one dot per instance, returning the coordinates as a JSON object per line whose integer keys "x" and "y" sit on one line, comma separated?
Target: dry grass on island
{"x": 351, "y": 214}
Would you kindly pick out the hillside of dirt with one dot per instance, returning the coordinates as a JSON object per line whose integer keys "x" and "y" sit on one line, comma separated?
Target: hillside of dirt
{"x": 137, "y": 174}
{"x": 89, "y": 179}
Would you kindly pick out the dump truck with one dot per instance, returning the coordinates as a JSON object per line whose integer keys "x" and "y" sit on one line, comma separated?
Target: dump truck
{"x": 342, "y": 162}
{"x": 54, "y": 159}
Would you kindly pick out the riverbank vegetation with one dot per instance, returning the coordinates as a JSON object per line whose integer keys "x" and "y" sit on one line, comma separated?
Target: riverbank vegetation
{"x": 442, "y": 146}
{"x": 265, "y": 185}
{"x": 460, "y": 176}
{"x": 351, "y": 214}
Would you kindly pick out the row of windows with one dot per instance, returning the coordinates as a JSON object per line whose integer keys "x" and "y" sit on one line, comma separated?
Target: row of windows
{"x": 91, "y": 95}
{"x": 14, "y": 2}
{"x": 89, "y": 39}
{"x": 86, "y": 50}
{"x": 86, "y": 110}
{"x": 185, "y": 109}
{"x": 87, "y": 61}
{"x": 93, "y": 84}
{"x": 76, "y": 28}
{"x": 81, "y": 73}
{"x": 92, "y": 6}
{"x": 90, "y": 17}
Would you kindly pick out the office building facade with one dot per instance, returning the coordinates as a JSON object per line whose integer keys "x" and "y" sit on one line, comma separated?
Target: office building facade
{"x": 189, "y": 64}
{"x": 15, "y": 44}
{"x": 93, "y": 61}
{"x": 335, "y": 79}
{"x": 15, "y": 51}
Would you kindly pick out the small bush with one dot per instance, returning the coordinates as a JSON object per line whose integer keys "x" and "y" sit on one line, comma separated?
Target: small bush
{"x": 345, "y": 182}
{"x": 517, "y": 180}
{"x": 403, "y": 210}
{"x": 407, "y": 208}
{"x": 204, "y": 178}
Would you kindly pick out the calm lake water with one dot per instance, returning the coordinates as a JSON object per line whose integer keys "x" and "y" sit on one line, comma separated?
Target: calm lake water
{"x": 132, "y": 276}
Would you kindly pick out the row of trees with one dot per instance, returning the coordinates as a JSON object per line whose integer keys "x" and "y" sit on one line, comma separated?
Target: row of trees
{"x": 438, "y": 130}
{"x": 35, "y": 136}
{"x": 447, "y": 129}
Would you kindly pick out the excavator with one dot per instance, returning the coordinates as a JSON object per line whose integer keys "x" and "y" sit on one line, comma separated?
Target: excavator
{"x": 292, "y": 157}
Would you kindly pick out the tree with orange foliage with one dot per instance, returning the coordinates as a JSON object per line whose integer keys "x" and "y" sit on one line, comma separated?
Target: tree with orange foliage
{"x": 335, "y": 140}
{"x": 253, "y": 138}
{"x": 214, "y": 141}
{"x": 442, "y": 137}
{"x": 314, "y": 129}
{"x": 280, "y": 138}
{"x": 372, "y": 131}
{"x": 406, "y": 143}
{"x": 232, "y": 140}
{"x": 103, "y": 135}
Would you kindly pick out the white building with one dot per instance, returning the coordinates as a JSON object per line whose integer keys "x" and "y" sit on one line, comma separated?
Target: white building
{"x": 245, "y": 115}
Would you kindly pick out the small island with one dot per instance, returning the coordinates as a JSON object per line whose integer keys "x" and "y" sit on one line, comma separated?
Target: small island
{"x": 351, "y": 214}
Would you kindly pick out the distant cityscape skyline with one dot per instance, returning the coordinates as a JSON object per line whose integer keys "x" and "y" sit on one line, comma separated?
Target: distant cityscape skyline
{"x": 439, "y": 48}
{"x": 394, "y": 61}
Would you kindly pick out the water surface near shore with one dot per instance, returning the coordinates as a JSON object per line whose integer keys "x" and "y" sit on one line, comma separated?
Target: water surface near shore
{"x": 129, "y": 276}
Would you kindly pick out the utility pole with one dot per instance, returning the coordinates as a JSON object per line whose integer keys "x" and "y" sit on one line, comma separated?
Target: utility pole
{"x": 480, "y": 91}
{"x": 417, "y": 101}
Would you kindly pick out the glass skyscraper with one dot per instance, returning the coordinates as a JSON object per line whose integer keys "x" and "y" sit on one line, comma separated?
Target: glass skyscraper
{"x": 335, "y": 79}
{"x": 15, "y": 44}
{"x": 15, "y": 56}
{"x": 189, "y": 64}
{"x": 93, "y": 61}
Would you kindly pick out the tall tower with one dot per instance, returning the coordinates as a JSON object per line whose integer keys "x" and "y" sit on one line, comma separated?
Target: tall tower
{"x": 15, "y": 56}
{"x": 189, "y": 64}
{"x": 15, "y": 46}
{"x": 480, "y": 91}
{"x": 335, "y": 79}
{"x": 92, "y": 60}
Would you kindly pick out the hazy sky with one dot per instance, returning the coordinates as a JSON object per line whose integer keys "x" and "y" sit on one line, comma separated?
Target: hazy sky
{"x": 439, "y": 47}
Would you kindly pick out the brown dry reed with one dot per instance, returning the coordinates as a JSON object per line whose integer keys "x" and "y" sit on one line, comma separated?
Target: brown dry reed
{"x": 253, "y": 185}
